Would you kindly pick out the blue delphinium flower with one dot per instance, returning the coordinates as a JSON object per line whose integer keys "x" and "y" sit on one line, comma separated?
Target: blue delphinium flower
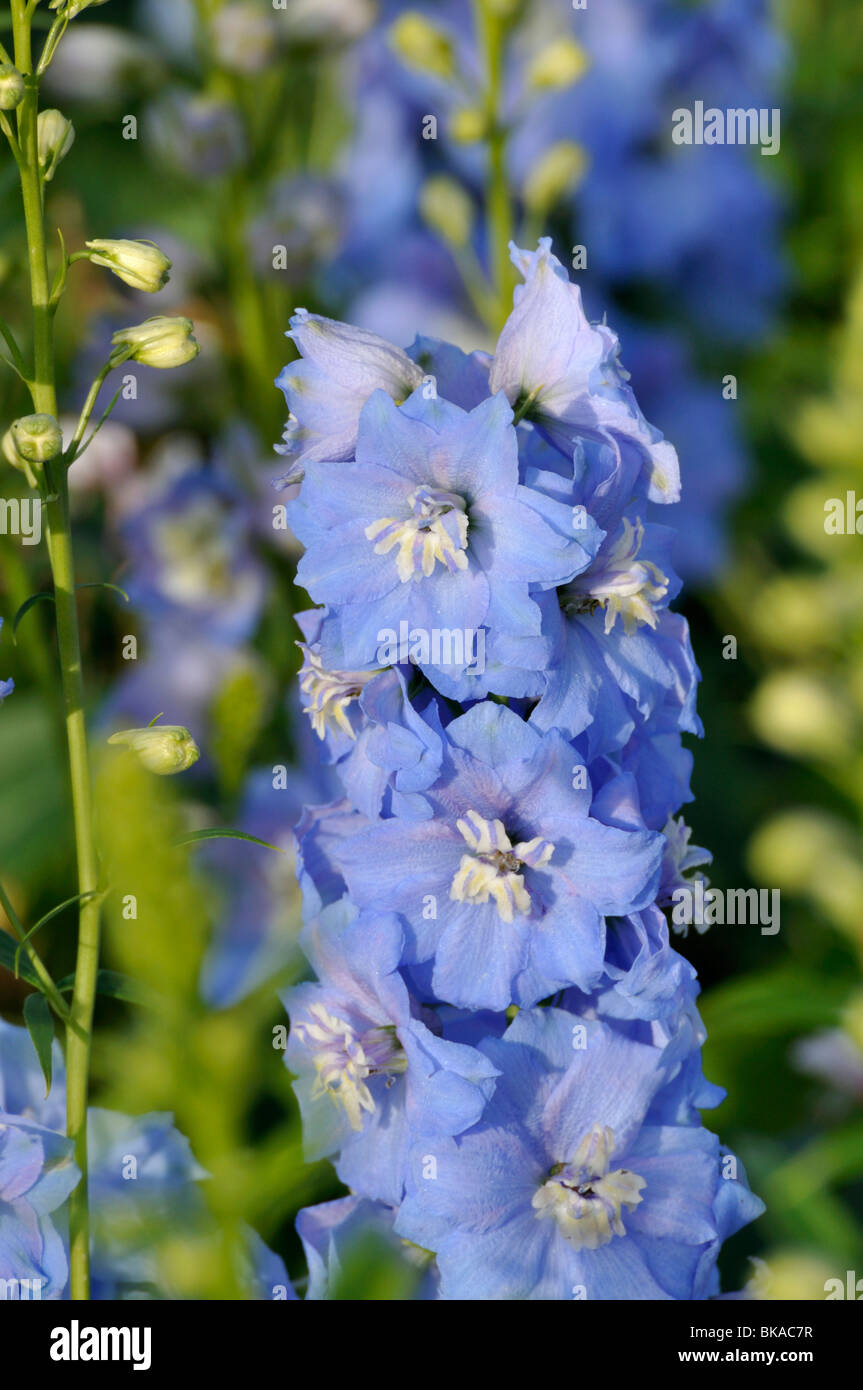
{"x": 430, "y": 528}
{"x": 491, "y": 855}
{"x": 373, "y": 1074}
{"x": 563, "y": 372}
{"x": 506, "y": 888}
{"x": 575, "y": 1185}
{"x": 326, "y": 390}
{"x": 333, "y": 1232}
{"x": 385, "y": 748}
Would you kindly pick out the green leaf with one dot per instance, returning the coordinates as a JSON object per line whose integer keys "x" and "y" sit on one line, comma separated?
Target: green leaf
{"x": 40, "y": 1026}
{"x": 27, "y": 605}
{"x": 8, "y": 953}
{"x": 771, "y": 1003}
{"x": 113, "y": 985}
{"x": 103, "y": 584}
{"x": 216, "y": 834}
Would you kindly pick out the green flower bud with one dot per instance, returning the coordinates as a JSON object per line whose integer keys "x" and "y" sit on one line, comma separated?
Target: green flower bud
{"x": 157, "y": 342}
{"x": 558, "y": 65}
{"x": 37, "y": 438}
{"x": 163, "y": 749}
{"x": 137, "y": 263}
{"x": 11, "y": 87}
{"x": 447, "y": 209}
{"x": 55, "y": 135}
{"x": 468, "y": 125}
{"x": 11, "y": 455}
{"x": 557, "y": 173}
{"x": 422, "y": 45}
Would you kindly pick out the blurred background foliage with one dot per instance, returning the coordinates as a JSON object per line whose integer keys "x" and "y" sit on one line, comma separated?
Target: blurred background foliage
{"x": 232, "y": 157}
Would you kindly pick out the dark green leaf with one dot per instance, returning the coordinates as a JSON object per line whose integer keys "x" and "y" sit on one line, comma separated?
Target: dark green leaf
{"x": 113, "y": 985}
{"x": 8, "y": 952}
{"x": 103, "y": 584}
{"x": 27, "y": 605}
{"x": 40, "y": 1026}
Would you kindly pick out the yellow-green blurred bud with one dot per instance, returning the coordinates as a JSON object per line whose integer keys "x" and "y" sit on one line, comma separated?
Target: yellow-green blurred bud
{"x": 55, "y": 136}
{"x": 11, "y": 87}
{"x": 157, "y": 342}
{"x": 11, "y": 455}
{"x": 468, "y": 125}
{"x": 37, "y": 438}
{"x": 558, "y": 65}
{"x": 163, "y": 749}
{"x": 422, "y": 45}
{"x": 137, "y": 263}
{"x": 795, "y": 1276}
{"x": 447, "y": 209}
{"x": 800, "y": 713}
{"x": 787, "y": 849}
{"x": 558, "y": 172}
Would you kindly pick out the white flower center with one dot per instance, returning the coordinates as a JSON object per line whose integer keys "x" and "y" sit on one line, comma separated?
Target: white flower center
{"x": 436, "y": 531}
{"x": 493, "y": 868}
{"x": 622, "y": 584}
{"x": 329, "y": 693}
{"x": 584, "y": 1198}
{"x": 345, "y": 1059}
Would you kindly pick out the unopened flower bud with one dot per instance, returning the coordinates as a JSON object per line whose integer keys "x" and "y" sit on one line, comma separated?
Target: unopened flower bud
{"x": 422, "y": 45}
{"x": 558, "y": 172}
{"x": 37, "y": 438}
{"x": 163, "y": 749}
{"x": 137, "y": 263}
{"x": 467, "y": 125}
{"x": 157, "y": 342}
{"x": 558, "y": 65}
{"x": 12, "y": 457}
{"x": 447, "y": 209}
{"x": 55, "y": 136}
{"x": 11, "y": 87}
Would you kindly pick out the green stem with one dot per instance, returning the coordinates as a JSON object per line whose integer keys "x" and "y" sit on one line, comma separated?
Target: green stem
{"x": 43, "y": 391}
{"x": 491, "y": 32}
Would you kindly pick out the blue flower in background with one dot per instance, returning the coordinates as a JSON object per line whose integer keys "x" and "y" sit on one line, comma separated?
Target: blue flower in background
{"x": 575, "y": 1185}
{"x": 143, "y": 1183}
{"x": 258, "y": 926}
{"x": 508, "y": 885}
{"x": 191, "y": 560}
{"x": 37, "y": 1173}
